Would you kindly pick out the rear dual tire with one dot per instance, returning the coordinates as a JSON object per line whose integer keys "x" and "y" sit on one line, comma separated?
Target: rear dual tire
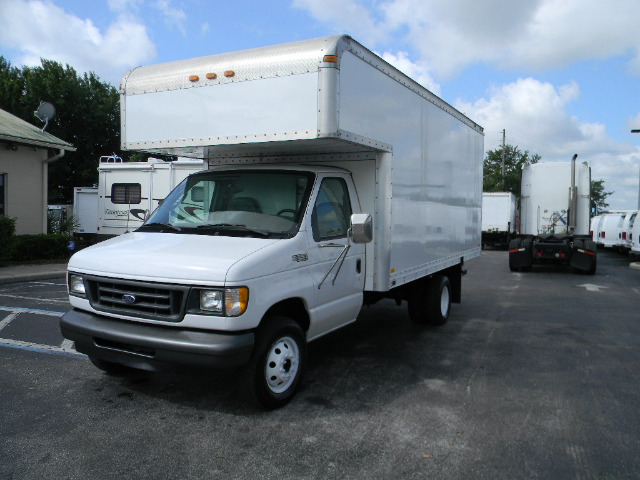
{"x": 430, "y": 301}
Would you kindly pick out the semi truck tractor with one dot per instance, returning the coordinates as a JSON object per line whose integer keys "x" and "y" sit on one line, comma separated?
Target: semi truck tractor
{"x": 334, "y": 181}
{"x": 554, "y": 215}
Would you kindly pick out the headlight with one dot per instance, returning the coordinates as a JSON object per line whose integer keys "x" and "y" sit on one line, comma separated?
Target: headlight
{"x": 231, "y": 302}
{"x": 76, "y": 285}
{"x": 211, "y": 301}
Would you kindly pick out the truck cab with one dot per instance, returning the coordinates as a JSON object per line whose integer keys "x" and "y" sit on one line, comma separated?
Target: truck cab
{"x": 227, "y": 248}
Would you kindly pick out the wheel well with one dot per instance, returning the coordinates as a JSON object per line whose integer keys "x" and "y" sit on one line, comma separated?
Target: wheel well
{"x": 293, "y": 308}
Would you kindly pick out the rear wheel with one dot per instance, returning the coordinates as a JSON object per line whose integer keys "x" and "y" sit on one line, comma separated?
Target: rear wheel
{"x": 430, "y": 303}
{"x": 277, "y": 364}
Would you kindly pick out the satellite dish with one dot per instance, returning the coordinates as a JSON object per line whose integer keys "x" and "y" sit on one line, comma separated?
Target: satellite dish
{"x": 45, "y": 112}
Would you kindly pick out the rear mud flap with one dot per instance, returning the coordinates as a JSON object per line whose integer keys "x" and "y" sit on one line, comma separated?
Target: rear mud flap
{"x": 582, "y": 259}
{"x": 520, "y": 258}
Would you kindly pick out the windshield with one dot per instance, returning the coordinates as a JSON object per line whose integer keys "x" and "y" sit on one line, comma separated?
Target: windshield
{"x": 259, "y": 203}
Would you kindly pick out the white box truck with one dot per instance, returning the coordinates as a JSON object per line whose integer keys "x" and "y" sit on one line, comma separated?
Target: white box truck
{"x": 129, "y": 191}
{"x": 555, "y": 211}
{"x": 335, "y": 181}
{"x": 498, "y": 218}
{"x": 85, "y": 209}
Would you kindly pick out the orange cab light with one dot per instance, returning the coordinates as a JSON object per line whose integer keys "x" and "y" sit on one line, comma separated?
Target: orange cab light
{"x": 229, "y": 73}
{"x": 194, "y": 78}
{"x": 330, "y": 58}
{"x": 211, "y": 76}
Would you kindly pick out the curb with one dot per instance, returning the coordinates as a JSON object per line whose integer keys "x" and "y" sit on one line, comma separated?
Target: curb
{"x": 26, "y": 273}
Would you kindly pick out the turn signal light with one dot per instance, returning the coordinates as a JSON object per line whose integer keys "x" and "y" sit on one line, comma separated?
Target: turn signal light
{"x": 331, "y": 58}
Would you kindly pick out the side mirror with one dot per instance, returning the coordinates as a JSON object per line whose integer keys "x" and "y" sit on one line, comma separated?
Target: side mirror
{"x": 361, "y": 228}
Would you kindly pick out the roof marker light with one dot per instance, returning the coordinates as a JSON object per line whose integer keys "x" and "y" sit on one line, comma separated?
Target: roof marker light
{"x": 229, "y": 73}
{"x": 212, "y": 76}
{"x": 194, "y": 78}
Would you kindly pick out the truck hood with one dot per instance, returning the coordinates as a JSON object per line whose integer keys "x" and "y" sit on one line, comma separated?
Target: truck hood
{"x": 163, "y": 257}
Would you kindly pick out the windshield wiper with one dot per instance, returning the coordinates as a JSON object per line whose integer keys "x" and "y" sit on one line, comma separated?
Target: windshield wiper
{"x": 231, "y": 226}
{"x": 160, "y": 226}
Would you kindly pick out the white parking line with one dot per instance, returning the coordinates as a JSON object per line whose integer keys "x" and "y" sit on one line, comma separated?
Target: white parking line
{"x": 66, "y": 348}
{"x": 7, "y": 320}
{"x": 32, "y": 310}
{"x": 50, "y": 300}
{"x": 38, "y": 347}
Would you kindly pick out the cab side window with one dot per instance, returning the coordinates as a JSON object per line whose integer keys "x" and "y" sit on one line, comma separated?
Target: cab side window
{"x": 332, "y": 210}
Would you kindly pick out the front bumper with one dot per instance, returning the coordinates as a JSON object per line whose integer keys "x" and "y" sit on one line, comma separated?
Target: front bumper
{"x": 154, "y": 347}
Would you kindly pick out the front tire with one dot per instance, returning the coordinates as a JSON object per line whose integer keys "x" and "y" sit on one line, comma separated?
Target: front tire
{"x": 277, "y": 364}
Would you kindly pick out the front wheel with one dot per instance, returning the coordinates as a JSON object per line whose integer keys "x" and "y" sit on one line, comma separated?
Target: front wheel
{"x": 277, "y": 364}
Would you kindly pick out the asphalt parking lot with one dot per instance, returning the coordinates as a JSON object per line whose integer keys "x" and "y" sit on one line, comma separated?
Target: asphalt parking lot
{"x": 536, "y": 375}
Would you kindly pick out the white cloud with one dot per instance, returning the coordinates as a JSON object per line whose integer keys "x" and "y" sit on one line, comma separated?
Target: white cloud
{"x": 634, "y": 123}
{"x": 535, "y": 117}
{"x": 174, "y": 17}
{"x": 40, "y": 29}
{"x": 534, "y": 35}
{"x": 417, "y": 72}
{"x": 346, "y": 16}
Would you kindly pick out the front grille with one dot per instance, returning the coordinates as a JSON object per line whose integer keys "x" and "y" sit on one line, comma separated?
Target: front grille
{"x": 154, "y": 301}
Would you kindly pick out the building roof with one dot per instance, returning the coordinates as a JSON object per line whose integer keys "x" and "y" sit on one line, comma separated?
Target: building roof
{"x": 16, "y": 130}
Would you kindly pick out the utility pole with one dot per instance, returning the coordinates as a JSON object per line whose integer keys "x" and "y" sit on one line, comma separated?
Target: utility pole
{"x": 637, "y": 130}
{"x": 504, "y": 136}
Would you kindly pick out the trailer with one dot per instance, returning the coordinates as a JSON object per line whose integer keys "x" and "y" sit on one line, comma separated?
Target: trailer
{"x": 555, "y": 217}
{"x": 129, "y": 191}
{"x": 335, "y": 181}
{"x": 498, "y": 218}
{"x": 85, "y": 211}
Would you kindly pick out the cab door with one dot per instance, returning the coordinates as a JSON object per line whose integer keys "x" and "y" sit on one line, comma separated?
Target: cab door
{"x": 337, "y": 265}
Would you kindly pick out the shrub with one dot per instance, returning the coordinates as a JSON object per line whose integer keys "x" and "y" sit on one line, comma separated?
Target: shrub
{"x": 40, "y": 247}
{"x": 7, "y": 227}
{"x": 7, "y": 231}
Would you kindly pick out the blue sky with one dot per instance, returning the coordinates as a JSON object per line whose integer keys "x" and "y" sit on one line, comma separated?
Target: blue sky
{"x": 560, "y": 76}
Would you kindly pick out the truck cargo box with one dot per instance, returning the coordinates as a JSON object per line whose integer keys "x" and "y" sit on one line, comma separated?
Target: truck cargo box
{"x": 416, "y": 160}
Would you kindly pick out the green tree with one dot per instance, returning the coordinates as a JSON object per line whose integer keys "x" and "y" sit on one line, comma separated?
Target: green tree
{"x": 87, "y": 116}
{"x": 514, "y": 160}
{"x": 599, "y": 196}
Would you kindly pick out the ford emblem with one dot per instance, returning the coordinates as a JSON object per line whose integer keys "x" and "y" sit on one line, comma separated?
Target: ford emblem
{"x": 128, "y": 299}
